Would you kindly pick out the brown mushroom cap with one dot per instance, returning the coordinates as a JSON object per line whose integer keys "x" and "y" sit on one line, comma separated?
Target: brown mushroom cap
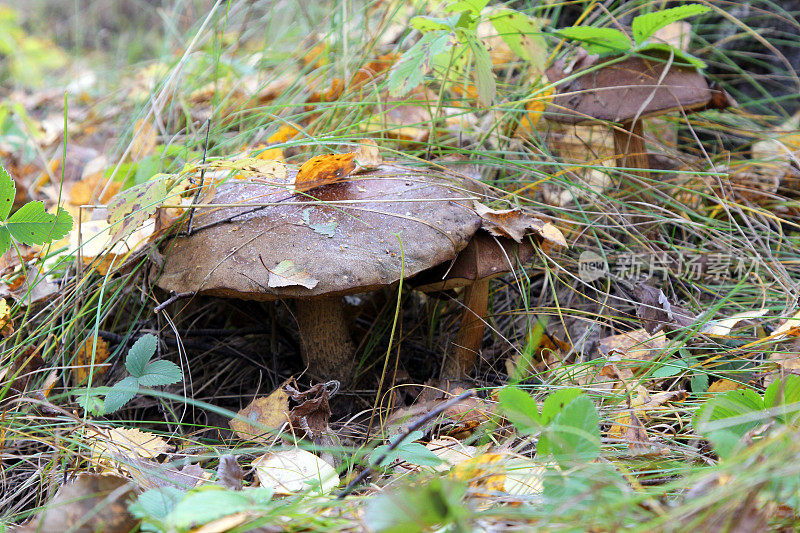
{"x": 429, "y": 211}
{"x": 624, "y": 90}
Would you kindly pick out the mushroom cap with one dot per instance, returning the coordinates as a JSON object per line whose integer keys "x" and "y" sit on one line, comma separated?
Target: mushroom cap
{"x": 625, "y": 90}
{"x": 343, "y": 235}
{"x": 485, "y": 257}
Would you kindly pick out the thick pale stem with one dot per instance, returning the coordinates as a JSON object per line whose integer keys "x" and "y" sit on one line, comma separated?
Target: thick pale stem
{"x": 630, "y": 148}
{"x": 326, "y": 345}
{"x": 467, "y": 343}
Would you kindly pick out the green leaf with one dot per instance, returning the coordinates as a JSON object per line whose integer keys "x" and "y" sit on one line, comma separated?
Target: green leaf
{"x": 556, "y": 402}
{"x": 31, "y": 224}
{"x": 473, "y": 7}
{"x": 132, "y": 207}
{"x": 427, "y": 507}
{"x": 520, "y": 409}
{"x": 730, "y": 404}
{"x": 210, "y": 503}
{"x": 120, "y": 394}
{"x": 427, "y": 24}
{"x": 408, "y": 451}
{"x": 784, "y": 393}
{"x": 90, "y": 401}
{"x": 523, "y": 35}
{"x": 669, "y": 368}
{"x": 598, "y": 40}
{"x": 574, "y": 436}
{"x": 644, "y": 26}
{"x": 7, "y": 193}
{"x": 484, "y": 77}
{"x": 140, "y": 353}
{"x": 699, "y": 382}
{"x": 156, "y": 503}
{"x": 159, "y": 373}
{"x": 416, "y": 62}
{"x": 680, "y": 57}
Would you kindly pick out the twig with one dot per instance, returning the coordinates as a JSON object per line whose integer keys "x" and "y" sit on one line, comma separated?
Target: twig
{"x": 411, "y": 429}
{"x": 202, "y": 182}
{"x": 172, "y": 299}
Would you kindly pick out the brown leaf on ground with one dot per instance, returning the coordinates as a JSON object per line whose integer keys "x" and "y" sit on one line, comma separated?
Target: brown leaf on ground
{"x": 657, "y": 312}
{"x": 83, "y": 361}
{"x": 637, "y": 345}
{"x": 229, "y": 474}
{"x": 515, "y": 224}
{"x": 88, "y": 503}
{"x": 152, "y": 475}
{"x": 270, "y": 412}
{"x": 724, "y": 385}
{"x": 22, "y": 370}
{"x": 459, "y": 420}
{"x": 83, "y": 192}
{"x": 323, "y": 170}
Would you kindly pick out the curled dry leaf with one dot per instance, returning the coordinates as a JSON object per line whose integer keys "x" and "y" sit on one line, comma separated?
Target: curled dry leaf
{"x": 790, "y": 328}
{"x": 724, "y": 326}
{"x": 295, "y": 470}
{"x": 287, "y": 274}
{"x": 368, "y": 155}
{"x": 460, "y": 418}
{"x": 657, "y": 312}
{"x": 323, "y": 170}
{"x": 515, "y": 224}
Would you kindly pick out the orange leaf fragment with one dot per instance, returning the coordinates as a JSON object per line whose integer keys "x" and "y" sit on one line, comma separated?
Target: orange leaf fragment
{"x": 84, "y": 361}
{"x": 323, "y": 170}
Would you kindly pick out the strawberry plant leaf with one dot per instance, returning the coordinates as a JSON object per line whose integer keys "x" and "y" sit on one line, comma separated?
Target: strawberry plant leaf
{"x": 7, "y": 192}
{"x": 644, "y": 26}
{"x": 520, "y": 409}
{"x": 598, "y": 40}
{"x": 484, "y": 78}
{"x": 120, "y": 394}
{"x": 31, "y": 224}
{"x": 556, "y": 402}
{"x": 416, "y": 62}
{"x": 140, "y": 353}
{"x": 159, "y": 373}
{"x": 574, "y": 435}
{"x": 523, "y": 35}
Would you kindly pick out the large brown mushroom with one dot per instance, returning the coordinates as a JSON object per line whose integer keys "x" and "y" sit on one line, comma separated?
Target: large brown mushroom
{"x": 267, "y": 243}
{"x": 626, "y": 91}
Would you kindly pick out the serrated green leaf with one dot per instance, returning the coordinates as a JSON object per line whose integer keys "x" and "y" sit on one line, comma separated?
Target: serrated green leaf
{"x": 573, "y": 437}
{"x": 523, "y": 35}
{"x": 159, "y": 373}
{"x": 598, "y": 40}
{"x": 120, "y": 394}
{"x": 207, "y": 504}
{"x": 31, "y": 224}
{"x": 473, "y": 7}
{"x": 731, "y": 404}
{"x": 132, "y": 207}
{"x": 140, "y": 353}
{"x": 484, "y": 77}
{"x": 156, "y": 503}
{"x": 784, "y": 393}
{"x": 556, "y": 402}
{"x": 520, "y": 409}
{"x": 426, "y": 24}
{"x": 7, "y": 192}
{"x": 416, "y": 62}
{"x": 680, "y": 57}
{"x": 644, "y": 26}
{"x": 90, "y": 401}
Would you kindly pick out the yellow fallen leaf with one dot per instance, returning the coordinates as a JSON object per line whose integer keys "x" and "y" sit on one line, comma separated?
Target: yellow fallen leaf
{"x": 83, "y": 361}
{"x": 271, "y": 412}
{"x": 725, "y": 385}
{"x": 295, "y": 470}
{"x": 110, "y": 447}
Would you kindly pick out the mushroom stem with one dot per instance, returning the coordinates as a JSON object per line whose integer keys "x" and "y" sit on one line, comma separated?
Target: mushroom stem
{"x": 467, "y": 343}
{"x": 630, "y": 148}
{"x": 326, "y": 345}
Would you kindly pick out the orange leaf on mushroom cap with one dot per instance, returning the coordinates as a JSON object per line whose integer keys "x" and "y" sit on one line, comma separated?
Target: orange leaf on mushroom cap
{"x": 323, "y": 170}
